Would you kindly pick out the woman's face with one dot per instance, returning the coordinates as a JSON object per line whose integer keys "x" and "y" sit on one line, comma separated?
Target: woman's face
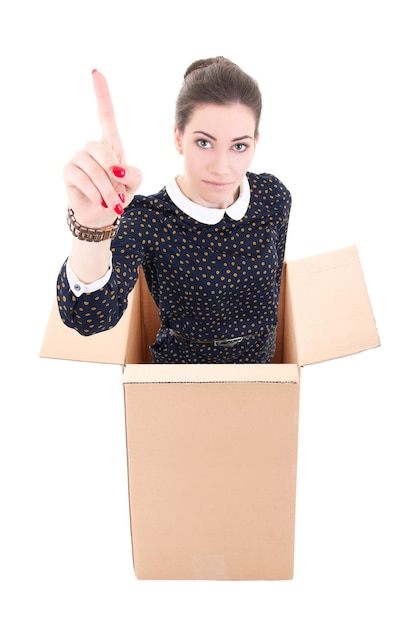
{"x": 218, "y": 145}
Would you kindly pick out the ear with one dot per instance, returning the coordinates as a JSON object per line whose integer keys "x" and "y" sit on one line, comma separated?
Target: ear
{"x": 178, "y": 140}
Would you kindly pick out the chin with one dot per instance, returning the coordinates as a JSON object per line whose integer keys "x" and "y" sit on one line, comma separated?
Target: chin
{"x": 217, "y": 200}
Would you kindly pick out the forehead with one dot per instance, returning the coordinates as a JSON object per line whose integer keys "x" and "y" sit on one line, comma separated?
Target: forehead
{"x": 233, "y": 119}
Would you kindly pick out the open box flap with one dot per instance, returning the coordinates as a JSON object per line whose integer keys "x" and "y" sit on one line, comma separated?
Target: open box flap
{"x": 115, "y": 346}
{"x": 327, "y": 314}
{"x": 327, "y": 309}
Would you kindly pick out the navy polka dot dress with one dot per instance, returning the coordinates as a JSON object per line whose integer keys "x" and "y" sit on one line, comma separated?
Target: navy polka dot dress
{"x": 212, "y": 283}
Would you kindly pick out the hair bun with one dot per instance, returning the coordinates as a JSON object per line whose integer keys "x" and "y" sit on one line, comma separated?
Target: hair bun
{"x": 203, "y": 63}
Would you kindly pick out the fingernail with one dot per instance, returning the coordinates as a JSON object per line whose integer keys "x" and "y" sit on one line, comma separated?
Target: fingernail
{"x": 122, "y": 197}
{"x": 93, "y": 71}
{"x": 104, "y": 204}
{"x": 119, "y": 171}
{"x": 118, "y": 209}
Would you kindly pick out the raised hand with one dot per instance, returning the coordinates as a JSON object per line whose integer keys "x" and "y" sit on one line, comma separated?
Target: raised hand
{"x": 99, "y": 182}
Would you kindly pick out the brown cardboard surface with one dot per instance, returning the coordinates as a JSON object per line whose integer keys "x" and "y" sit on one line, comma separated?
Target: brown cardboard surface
{"x": 212, "y": 476}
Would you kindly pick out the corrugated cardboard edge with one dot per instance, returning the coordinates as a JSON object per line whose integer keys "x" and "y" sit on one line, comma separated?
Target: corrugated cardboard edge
{"x": 211, "y": 373}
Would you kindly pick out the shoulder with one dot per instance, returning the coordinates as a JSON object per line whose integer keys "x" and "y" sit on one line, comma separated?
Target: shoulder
{"x": 268, "y": 188}
{"x": 141, "y": 201}
{"x": 158, "y": 204}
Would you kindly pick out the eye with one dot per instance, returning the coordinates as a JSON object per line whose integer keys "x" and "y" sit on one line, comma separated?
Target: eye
{"x": 240, "y": 147}
{"x": 203, "y": 143}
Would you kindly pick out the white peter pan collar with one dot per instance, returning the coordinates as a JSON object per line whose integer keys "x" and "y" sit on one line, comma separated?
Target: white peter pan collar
{"x": 204, "y": 214}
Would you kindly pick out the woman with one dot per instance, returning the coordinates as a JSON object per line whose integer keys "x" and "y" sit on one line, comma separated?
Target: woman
{"x": 211, "y": 243}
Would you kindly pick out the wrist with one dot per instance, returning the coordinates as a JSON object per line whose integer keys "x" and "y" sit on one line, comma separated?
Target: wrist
{"x": 85, "y": 233}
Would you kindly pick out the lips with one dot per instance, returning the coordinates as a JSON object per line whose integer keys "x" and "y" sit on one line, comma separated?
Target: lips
{"x": 216, "y": 185}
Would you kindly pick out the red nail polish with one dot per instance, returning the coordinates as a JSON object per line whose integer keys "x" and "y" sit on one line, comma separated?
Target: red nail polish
{"x": 118, "y": 209}
{"x": 119, "y": 171}
{"x": 104, "y": 205}
{"x": 122, "y": 197}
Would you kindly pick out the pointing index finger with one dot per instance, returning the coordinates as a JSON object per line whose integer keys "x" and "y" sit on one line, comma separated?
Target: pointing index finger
{"x": 110, "y": 134}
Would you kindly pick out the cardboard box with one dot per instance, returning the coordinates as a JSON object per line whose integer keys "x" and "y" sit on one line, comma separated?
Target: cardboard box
{"x": 212, "y": 449}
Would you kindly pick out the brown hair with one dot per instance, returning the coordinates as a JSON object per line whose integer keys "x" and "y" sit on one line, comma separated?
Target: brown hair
{"x": 216, "y": 80}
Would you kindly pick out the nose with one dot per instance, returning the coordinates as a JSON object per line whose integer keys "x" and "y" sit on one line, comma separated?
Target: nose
{"x": 219, "y": 164}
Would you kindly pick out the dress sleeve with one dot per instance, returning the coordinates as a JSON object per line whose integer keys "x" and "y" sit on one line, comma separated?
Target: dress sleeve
{"x": 284, "y": 201}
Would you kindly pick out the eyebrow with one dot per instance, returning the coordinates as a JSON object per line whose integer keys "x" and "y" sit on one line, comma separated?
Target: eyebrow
{"x": 201, "y": 132}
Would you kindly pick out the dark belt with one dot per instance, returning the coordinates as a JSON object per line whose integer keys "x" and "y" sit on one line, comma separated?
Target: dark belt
{"x": 216, "y": 342}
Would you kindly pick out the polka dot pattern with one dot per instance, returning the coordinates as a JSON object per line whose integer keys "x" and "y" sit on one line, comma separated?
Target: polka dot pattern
{"x": 209, "y": 281}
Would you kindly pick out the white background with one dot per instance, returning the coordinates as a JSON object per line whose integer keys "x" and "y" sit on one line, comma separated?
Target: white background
{"x": 339, "y": 129}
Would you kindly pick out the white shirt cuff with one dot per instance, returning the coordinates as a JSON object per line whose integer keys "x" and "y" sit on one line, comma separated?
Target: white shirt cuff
{"x": 78, "y": 288}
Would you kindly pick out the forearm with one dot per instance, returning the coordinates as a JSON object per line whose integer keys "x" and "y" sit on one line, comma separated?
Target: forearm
{"x": 89, "y": 260}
